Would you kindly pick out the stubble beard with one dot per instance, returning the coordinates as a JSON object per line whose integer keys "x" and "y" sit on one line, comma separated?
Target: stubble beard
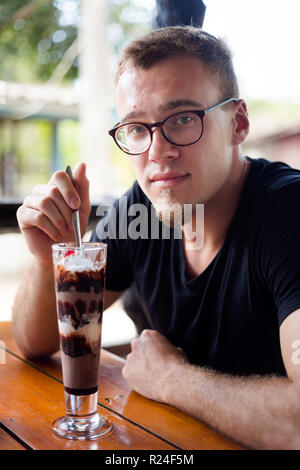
{"x": 169, "y": 210}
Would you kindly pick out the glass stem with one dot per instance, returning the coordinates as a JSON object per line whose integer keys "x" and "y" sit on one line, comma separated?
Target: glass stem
{"x": 79, "y": 406}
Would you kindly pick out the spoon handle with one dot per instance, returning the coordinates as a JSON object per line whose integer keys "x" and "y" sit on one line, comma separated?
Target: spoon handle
{"x": 75, "y": 214}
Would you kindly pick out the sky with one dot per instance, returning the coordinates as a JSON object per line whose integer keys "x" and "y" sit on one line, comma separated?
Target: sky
{"x": 264, "y": 36}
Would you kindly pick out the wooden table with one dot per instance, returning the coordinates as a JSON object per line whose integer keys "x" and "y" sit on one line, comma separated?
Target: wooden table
{"x": 32, "y": 397}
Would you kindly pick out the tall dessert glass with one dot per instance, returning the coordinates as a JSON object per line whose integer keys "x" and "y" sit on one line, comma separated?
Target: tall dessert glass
{"x": 79, "y": 275}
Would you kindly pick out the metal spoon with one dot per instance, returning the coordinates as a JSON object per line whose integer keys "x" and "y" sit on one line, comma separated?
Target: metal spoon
{"x": 75, "y": 215}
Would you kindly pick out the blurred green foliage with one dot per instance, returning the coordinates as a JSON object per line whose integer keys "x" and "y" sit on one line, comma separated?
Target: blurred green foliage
{"x": 68, "y": 140}
{"x": 34, "y": 154}
{"x": 34, "y": 35}
{"x": 128, "y": 19}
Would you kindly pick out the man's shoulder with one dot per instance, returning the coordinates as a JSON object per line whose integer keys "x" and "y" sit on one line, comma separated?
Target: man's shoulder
{"x": 271, "y": 185}
{"x": 272, "y": 177}
{"x": 272, "y": 196}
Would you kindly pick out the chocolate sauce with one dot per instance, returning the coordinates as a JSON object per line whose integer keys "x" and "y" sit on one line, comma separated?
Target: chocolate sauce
{"x": 81, "y": 391}
{"x": 79, "y": 312}
{"x": 83, "y": 281}
{"x": 75, "y": 346}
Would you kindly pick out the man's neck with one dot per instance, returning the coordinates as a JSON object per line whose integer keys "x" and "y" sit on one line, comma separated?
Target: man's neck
{"x": 218, "y": 214}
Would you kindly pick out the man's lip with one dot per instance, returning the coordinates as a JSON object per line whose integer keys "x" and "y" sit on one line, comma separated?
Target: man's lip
{"x": 167, "y": 176}
{"x": 168, "y": 180}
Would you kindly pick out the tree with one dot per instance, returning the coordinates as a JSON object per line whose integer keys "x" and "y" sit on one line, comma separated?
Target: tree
{"x": 34, "y": 36}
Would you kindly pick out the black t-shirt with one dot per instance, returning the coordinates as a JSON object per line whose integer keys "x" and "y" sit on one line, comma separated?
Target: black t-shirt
{"x": 228, "y": 317}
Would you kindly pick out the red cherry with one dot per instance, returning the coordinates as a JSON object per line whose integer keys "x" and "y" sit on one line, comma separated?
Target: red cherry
{"x": 69, "y": 252}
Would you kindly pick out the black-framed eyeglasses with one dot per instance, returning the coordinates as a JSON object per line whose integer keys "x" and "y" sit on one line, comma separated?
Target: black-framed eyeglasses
{"x": 182, "y": 128}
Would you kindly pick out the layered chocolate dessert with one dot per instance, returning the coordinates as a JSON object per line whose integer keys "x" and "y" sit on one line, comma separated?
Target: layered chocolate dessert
{"x": 79, "y": 295}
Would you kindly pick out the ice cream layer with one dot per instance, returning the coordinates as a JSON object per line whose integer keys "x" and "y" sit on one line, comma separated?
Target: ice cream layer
{"x": 91, "y": 331}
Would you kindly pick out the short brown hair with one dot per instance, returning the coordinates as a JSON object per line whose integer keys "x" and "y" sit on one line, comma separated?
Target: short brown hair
{"x": 172, "y": 41}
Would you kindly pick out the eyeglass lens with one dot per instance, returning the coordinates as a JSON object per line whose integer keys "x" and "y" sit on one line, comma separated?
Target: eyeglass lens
{"x": 181, "y": 129}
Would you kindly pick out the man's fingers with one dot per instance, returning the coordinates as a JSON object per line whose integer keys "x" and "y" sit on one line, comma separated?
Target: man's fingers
{"x": 30, "y": 218}
{"x": 47, "y": 206}
{"x": 134, "y": 344}
{"x": 57, "y": 199}
{"x": 76, "y": 195}
{"x": 48, "y": 193}
{"x": 82, "y": 186}
{"x": 62, "y": 181}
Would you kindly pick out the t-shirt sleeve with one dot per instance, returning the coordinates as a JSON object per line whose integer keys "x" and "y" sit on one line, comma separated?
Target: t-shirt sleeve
{"x": 280, "y": 250}
{"x": 118, "y": 267}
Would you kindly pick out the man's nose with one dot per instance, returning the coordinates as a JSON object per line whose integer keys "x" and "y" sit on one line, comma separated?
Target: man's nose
{"x": 160, "y": 148}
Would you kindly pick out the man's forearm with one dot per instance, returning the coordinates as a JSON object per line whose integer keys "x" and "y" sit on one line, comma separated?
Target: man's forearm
{"x": 260, "y": 412}
{"x": 34, "y": 312}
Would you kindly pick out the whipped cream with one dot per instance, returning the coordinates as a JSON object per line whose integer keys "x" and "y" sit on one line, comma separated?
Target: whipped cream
{"x": 80, "y": 262}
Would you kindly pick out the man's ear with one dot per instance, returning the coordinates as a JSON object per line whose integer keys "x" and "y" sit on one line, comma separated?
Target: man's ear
{"x": 241, "y": 123}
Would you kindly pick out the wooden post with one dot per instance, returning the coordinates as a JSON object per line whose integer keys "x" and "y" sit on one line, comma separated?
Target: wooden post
{"x": 56, "y": 163}
{"x": 93, "y": 108}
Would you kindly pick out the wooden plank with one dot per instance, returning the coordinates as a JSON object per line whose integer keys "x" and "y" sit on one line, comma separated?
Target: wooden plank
{"x": 30, "y": 401}
{"x": 114, "y": 392}
{"x": 7, "y": 337}
{"x": 165, "y": 421}
{"x": 7, "y": 442}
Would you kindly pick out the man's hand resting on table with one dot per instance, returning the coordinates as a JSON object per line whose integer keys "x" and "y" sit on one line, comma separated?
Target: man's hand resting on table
{"x": 151, "y": 364}
{"x": 261, "y": 412}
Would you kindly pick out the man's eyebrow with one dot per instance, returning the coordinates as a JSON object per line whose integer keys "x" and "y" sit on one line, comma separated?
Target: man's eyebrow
{"x": 177, "y": 103}
{"x": 164, "y": 107}
{"x": 132, "y": 115}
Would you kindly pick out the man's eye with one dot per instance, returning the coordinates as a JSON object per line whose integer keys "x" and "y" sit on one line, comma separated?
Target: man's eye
{"x": 182, "y": 120}
{"x": 136, "y": 130}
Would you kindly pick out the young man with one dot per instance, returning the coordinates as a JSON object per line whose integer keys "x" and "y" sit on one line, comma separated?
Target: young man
{"x": 225, "y": 316}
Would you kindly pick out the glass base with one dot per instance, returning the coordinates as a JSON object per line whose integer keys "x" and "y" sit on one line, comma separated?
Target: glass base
{"x": 81, "y": 421}
{"x": 90, "y": 427}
